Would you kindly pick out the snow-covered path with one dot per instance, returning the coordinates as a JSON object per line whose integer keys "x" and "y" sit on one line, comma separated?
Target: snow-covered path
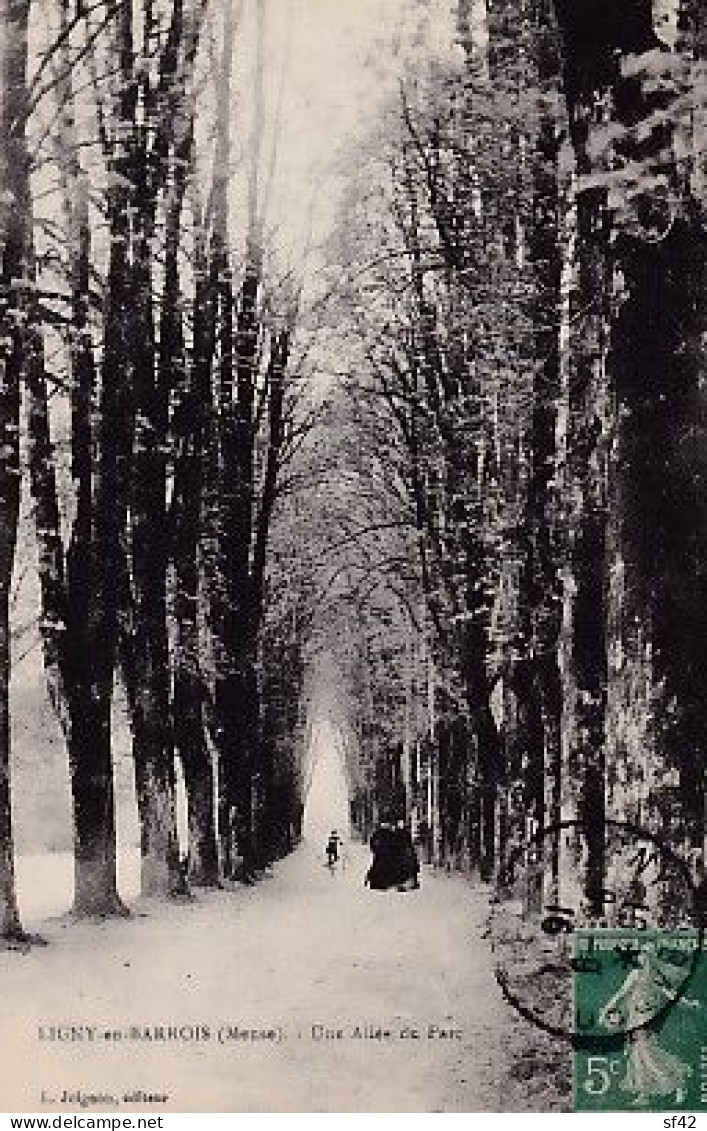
{"x": 315, "y": 957}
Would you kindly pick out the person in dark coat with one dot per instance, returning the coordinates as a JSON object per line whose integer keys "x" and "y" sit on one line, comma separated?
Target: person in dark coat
{"x": 381, "y": 874}
{"x": 395, "y": 862}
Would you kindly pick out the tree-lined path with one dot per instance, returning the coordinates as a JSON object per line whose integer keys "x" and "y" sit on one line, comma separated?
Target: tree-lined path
{"x": 351, "y": 396}
{"x": 302, "y": 949}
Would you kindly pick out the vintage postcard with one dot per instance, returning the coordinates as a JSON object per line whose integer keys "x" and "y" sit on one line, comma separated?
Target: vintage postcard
{"x": 353, "y": 556}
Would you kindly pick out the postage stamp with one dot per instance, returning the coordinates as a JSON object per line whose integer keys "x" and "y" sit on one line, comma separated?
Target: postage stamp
{"x": 647, "y": 989}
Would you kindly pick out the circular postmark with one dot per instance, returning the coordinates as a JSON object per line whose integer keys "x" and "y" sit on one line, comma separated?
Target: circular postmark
{"x": 596, "y": 933}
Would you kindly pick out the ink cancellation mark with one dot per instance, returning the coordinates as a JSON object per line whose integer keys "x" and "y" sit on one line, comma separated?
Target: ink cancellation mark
{"x": 547, "y": 933}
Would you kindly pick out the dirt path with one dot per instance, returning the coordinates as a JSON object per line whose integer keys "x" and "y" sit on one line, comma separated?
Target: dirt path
{"x": 377, "y": 1002}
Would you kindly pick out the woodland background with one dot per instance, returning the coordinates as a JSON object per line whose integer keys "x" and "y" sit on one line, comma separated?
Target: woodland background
{"x": 447, "y": 485}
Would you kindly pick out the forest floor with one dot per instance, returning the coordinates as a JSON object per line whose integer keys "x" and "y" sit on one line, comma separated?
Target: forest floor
{"x": 357, "y": 1001}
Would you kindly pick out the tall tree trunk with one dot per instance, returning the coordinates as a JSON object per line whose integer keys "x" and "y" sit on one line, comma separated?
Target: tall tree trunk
{"x": 160, "y": 156}
{"x": 94, "y": 561}
{"x": 153, "y": 381}
{"x": 655, "y": 365}
{"x": 540, "y": 581}
{"x": 588, "y": 552}
{"x": 277, "y": 368}
{"x": 236, "y": 693}
{"x": 15, "y": 216}
{"x": 586, "y": 73}
{"x": 191, "y": 422}
{"x": 489, "y": 750}
{"x": 71, "y": 606}
{"x": 96, "y": 552}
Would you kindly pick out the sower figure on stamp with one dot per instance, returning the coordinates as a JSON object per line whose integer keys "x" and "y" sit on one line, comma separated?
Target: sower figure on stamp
{"x": 651, "y": 1070}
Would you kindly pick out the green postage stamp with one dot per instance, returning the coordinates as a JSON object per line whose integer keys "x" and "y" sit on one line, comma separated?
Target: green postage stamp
{"x": 640, "y": 1001}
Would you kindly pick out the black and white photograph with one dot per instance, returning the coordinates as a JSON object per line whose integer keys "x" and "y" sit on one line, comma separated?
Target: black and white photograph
{"x": 353, "y": 557}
